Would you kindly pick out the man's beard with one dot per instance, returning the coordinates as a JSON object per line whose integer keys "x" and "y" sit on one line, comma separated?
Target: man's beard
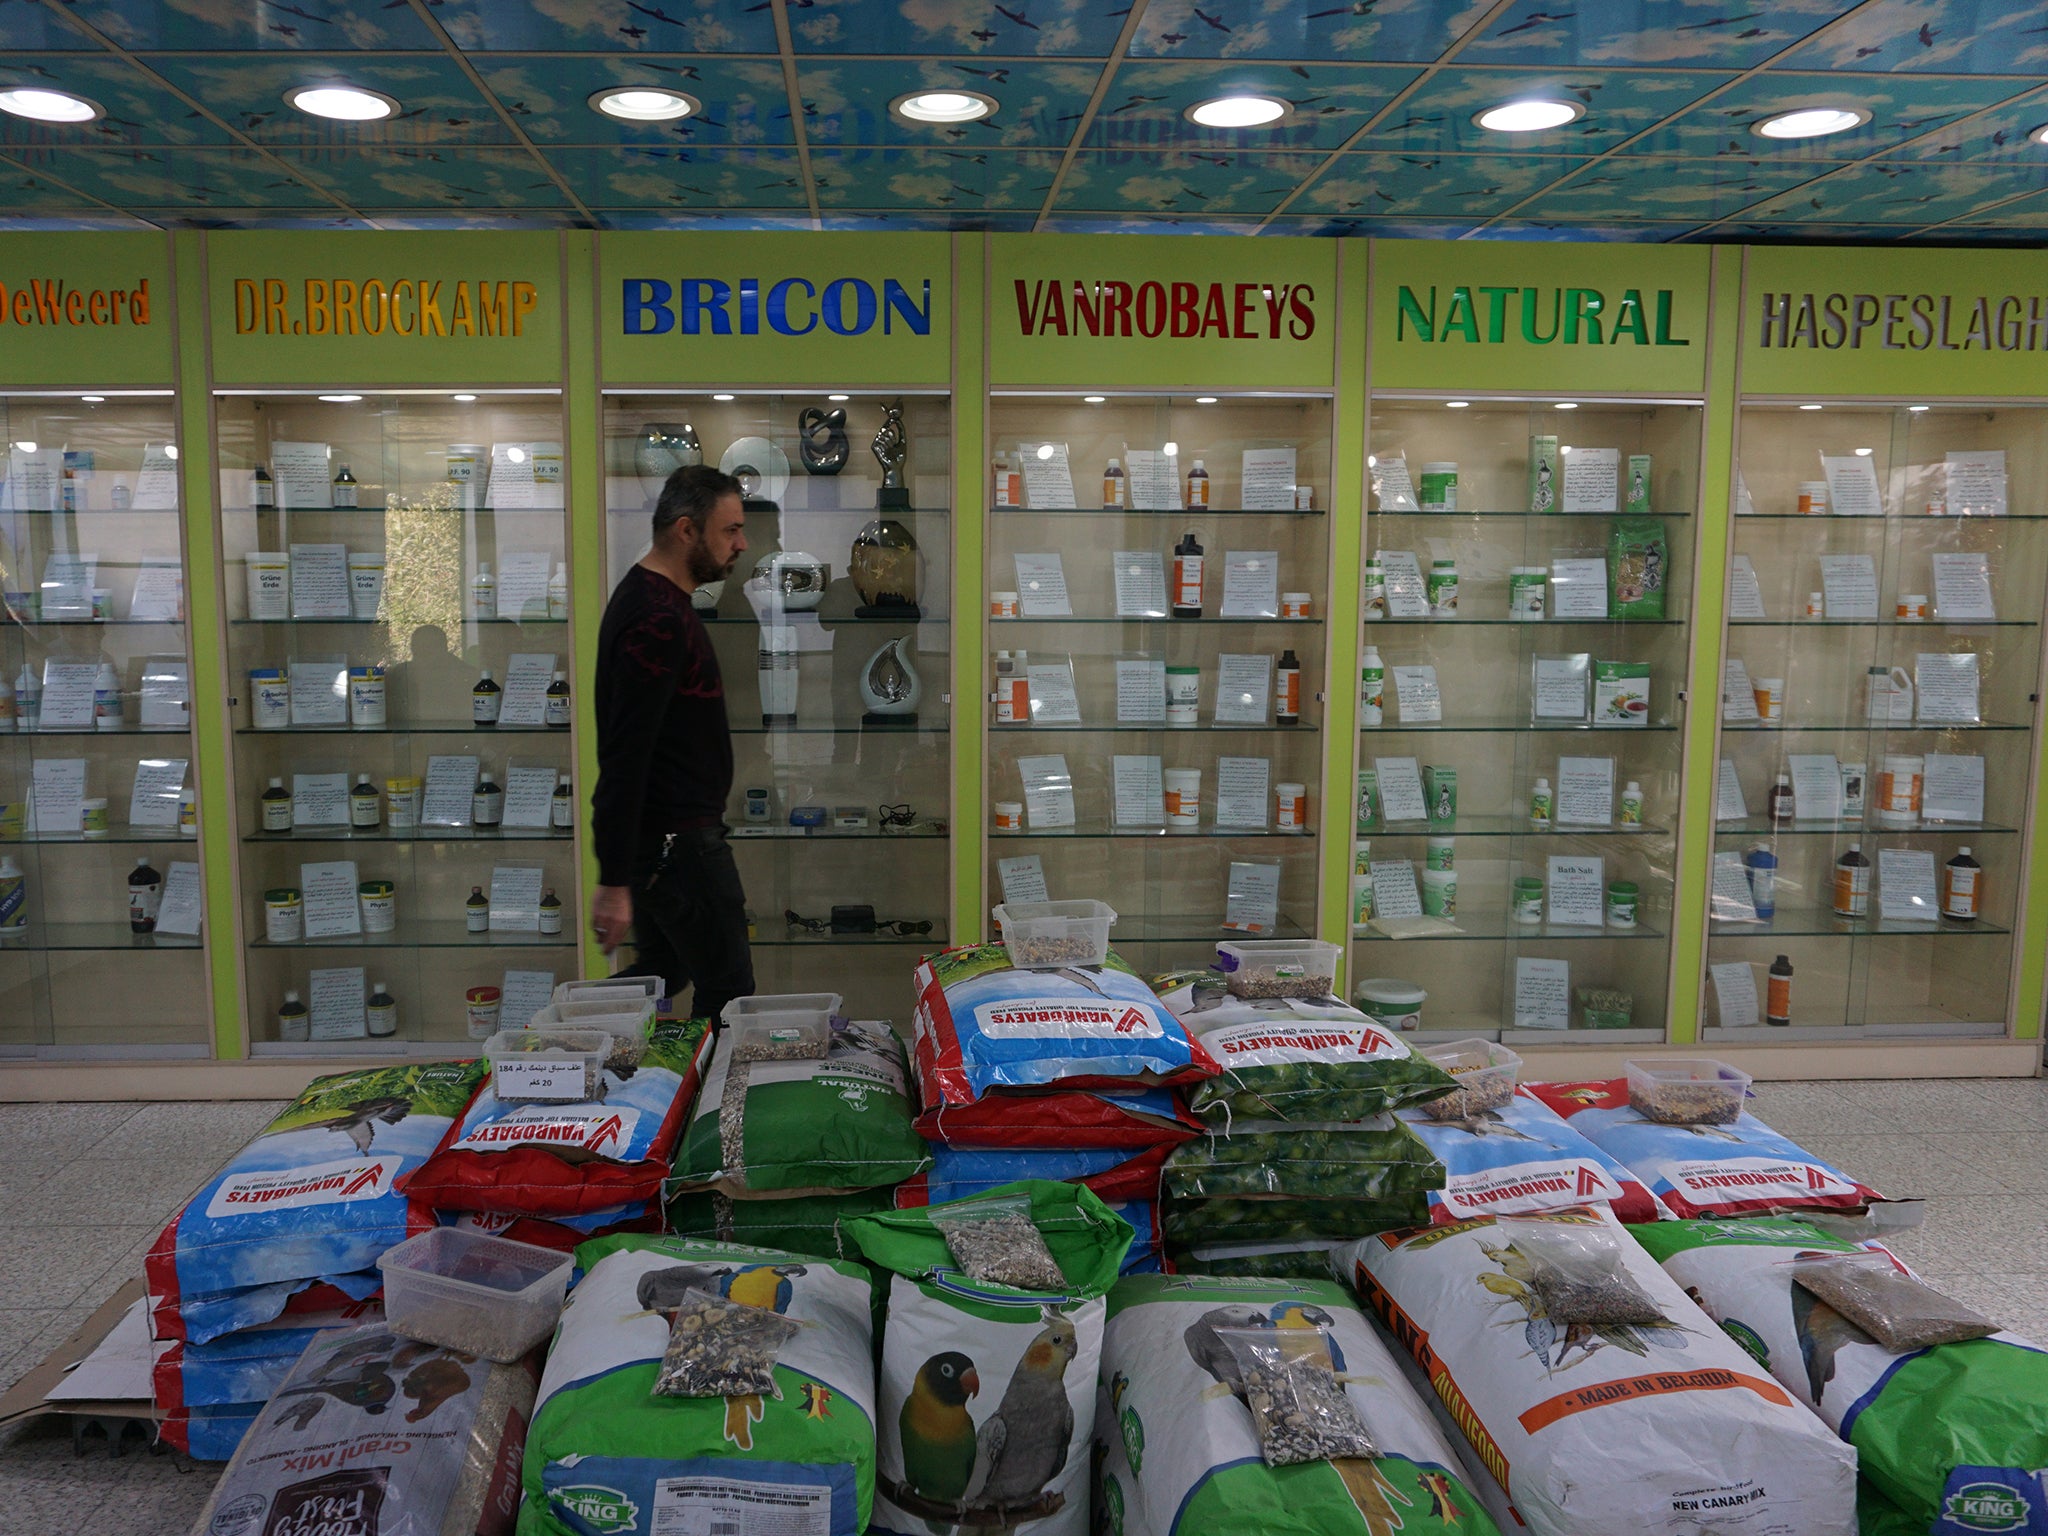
{"x": 704, "y": 568}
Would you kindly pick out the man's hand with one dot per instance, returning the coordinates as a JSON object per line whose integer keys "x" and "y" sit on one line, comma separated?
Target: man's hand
{"x": 611, "y": 914}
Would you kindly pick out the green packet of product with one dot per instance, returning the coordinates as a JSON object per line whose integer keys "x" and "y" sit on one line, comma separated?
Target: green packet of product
{"x": 1638, "y": 568}
{"x": 1621, "y": 693}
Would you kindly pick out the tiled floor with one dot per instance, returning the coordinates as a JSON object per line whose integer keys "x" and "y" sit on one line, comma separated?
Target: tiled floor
{"x": 85, "y": 1187}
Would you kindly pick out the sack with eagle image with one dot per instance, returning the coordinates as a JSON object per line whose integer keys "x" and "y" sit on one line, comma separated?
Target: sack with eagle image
{"x": 1597, "y": 1426}
{"x": 1954, "y": 1436}
{"x": 606, "y": 1454}
{"x": 1177, "y": 1452}
{"x": 987, "y": 1392}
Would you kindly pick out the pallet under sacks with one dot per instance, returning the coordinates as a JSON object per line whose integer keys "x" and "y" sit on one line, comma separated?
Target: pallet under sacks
{"x": 780, "y": 1149}
{"x": 290, "y": 1229}
{"x": 1068, "y": 1074}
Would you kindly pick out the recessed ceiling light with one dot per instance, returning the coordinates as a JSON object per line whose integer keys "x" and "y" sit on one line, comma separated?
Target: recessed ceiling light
{"x": 93, "y": 399}
{"x": 1205, "y": 399}
{"x": 1457, "y": 405}
{"x": 1809, "y": 407}
{"x": 644, "y": 103}
{"x": 1237, "y": 111}
{"x": 1093, "y": 399}
{"x": 1811, "y": 122}
{"x": 1863, "y": 453}
{"x": 943, "y": 106}
{"x": 345, "y": 103}
{"x": 1567, "y": 405}
{"x": 1916, "y": 408}
{"x": 1529, "y": 116}
{"x": 2040, "y": 134}
{"x": 836, "y": 398}
{"x": 49, "y": 106}
{"x": 465, "y": 399}
{"x": 341, "y": 399}
{"x": 721, "y": 397}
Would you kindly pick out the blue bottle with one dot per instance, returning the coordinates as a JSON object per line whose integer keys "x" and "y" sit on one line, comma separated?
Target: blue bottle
{"x": 1762, "y": 865}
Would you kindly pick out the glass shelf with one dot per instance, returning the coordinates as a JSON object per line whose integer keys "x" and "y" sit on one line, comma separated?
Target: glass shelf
{"x": 1533, "y": 517}
{"x": 1194, "y": 513}
{"x": 1921, "y": 519}
{"x": 170, "y": 512}
{"x": 1191, "y": 928}
{"x": 244, "y": 510}
{"x": 1308, "y": 728}
{"x": 1822, "y": 923}
{"x": 420, "y": 728}
{"x": 96, "y": 937}
{"x": 1507, "y": 826}
{"x": 1874, "y": 727}
{"x": 933, "y": 724}
{"x": 1502, "y": 925}
{"x": 1534, "y": 626}
{"x": 1758, "y": 826}
{"x": 101, "y": 623}
{"x": 749, "y": 621}
{"x": 1022, "y": 619}
{"x": 1936, "y": 623}
{"x": 433, "y": 935}
{"x": 421, "y": 835}
{"x": 799, "y": 939}
{"x": 1220, "y": 834}
{"x": 288, "y": 623}
{"x": 742, "y": 834}
{"x": 133, "y": 837}
{"x": 1516, "y": 727}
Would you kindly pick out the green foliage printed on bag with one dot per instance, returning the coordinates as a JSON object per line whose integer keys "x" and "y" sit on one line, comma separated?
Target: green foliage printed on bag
{"x": 804, "y": 1224}
{"x": 1189, "y": 1223}
{"x": 1378, "y": 1159}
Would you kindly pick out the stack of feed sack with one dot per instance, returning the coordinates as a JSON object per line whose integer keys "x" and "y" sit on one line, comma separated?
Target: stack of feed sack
{"x": 1300, "y": 1151}
{"x": 989, "y": 1354}
{"x": 629, "y": 1433}
{"x": 1728, "y": 1163}
{"x": 1069, "y": 1073}
{"x": 291, "y": 1228}
{"x": 1178, "y": 1448}
{"x": 1599, "y": 1395}
{"x": 1951, "y": 1436}
{"x": 790, "y": 1135}
{"x": 554, "y": 1171}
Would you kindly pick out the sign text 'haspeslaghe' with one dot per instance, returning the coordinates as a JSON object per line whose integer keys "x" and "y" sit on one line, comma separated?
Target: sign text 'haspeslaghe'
{"x": 791, "y": 306}
{"x": 51, "y": 301}
{"x": 1186, "y": 311}
{"x": 1911, "y": 322}
{"x": 405, "y": 306}
{"x": 1574, "y": 316}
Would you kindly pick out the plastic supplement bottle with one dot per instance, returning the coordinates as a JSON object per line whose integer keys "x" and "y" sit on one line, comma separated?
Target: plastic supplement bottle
{"x": 382, "y": 1012}
{"x": 550, "y": 912}
{"x": 1540, "y": 805}
{"x": 1287, "y": 690}
{"x": 13, "y": 899}
{"x": 487, "y": 802}
{"x": 344, "y": 494}
{"x": 485, "y": 700}
{"x": 558, "y": 592}
{"x": 556, "y": 702}
{"x": 145, "y": 896}
{"x": 1372, "y": 688}
{"x": 1114, "y": 487}
{"x": 1852, "y": 883}
{"x": 1778, "y": 993}
{"x": 483, "y": 594}
{"x": 294, "y": 1022}
{"x": 1187, "y": 578}
{"x": 1632, "y": 805}
{"x": 476, "y": 911}
{"x": 365, "y": 805}
{"x": 276, "y": 803}
{"x": 1198, "y": 487}
{"x": 562, "y": 806}
{"x": 1962, "y": 894}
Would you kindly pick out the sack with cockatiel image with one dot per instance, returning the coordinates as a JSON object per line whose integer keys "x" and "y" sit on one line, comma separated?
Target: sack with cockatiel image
{"x": 987, "y": 1393}
{"x": 1178, "y": 1453}
{"x": 1950, "y": 1435}
{"x": 606, "y": 1455}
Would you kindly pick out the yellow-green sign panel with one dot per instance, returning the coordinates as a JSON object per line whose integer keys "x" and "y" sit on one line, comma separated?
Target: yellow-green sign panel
{"x": 1894, "y": 322}
{"x": 85, "y": 309}
{"x": 393, "y": 309}
{"x": 1485, "y": 315}
{"x": 799, "y": 310}
{"x": 1143, "y": 312}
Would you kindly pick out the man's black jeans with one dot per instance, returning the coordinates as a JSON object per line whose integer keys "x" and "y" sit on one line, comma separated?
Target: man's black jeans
{"x": 690, "y": 921}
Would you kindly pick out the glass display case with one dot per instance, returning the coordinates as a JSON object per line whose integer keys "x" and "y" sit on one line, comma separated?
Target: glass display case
{"x": 1157, "y": 585}
{"x": 1526, "y": 610}
{"x": 833, "y": 637}
{"x": 1879, "y": 705}
{"x": 97, "y": 817}
{"x": 396, "y": 603}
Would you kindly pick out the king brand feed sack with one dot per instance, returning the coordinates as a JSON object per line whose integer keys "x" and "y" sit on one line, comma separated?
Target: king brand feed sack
{"x": 1955, "y": 1436}
{"x": 606, "y": 1454}
{"x": 1177, "y": 1448}
{"x": 313, "y": 1196}
{"x": 1600, "y": 1428}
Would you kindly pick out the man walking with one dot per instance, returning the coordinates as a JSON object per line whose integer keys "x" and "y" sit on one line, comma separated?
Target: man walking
{"x": 664, "y": 755}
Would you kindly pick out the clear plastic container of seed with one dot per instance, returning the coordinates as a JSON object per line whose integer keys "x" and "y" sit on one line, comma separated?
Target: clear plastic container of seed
{"x": 1052, "y": 935}
{"x": 611, "y": 989}
{"x": 1681, "y": 1090}
{"x": 1278, "y": 968}
{"x": 548, "y": 1064}
{"x": 789, "y": 1026}
{"x": 1486, "y": 1072}
{"x": 486, "y": 1296}
{"x": 625, "y": 1016}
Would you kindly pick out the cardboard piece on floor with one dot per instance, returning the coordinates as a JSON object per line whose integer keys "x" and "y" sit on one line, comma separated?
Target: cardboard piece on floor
{"x": 29, "y": 1397}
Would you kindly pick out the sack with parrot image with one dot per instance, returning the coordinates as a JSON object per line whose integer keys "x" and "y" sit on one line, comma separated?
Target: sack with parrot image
{"x": 1941, "y": 1433}
{"x": 313, "y": 1197}
{"x": 376, "y": 1435}
{"x": 803, "y": 1224}
{"x": 1297, "y": 1058}
{"x": 606, "y": 1454}
{"x": 1178, "y": 1448}
{"x": 1694, "y": 1171}
{"x": 988, "y": 1392}
{"x": 553, "y": 1160}
{"x": 1600, "y": 1428}
{"x": 982, "y": 1024}
{"x": 805, "y": 1127}
{"x": 1522, "y": 1157}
